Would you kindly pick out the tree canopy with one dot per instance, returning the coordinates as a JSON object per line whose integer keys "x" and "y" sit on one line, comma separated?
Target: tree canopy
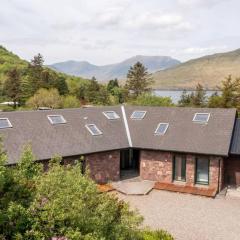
{"x": 138, "y": 79}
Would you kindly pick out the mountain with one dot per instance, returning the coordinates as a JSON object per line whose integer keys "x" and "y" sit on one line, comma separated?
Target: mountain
{"x": 118, "y": 70}
{"x": 208, "y": 70}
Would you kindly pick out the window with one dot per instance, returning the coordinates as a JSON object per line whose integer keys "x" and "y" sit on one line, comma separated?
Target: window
{"x": 111, "y": 115}
{"x": 93, "y": 129}
{"x": 56, "y": 119}
{"x": 161, "y": 128}
{"x": 202, "y": 170}
{"x": 138, "y": 115}
{"x": 201, "y": 117}
{"x": 5, "y": 123}
{"x": 179, "y": 168}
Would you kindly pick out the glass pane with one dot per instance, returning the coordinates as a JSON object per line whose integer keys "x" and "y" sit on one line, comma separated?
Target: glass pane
{"x": 111, "y": 115}
{"x": 202, "y": 170}
{"x": 161, "y": 128}
{"x": 4, "y": 123}
{"x": 180, "y": 168}
{"x": 93, "y": 129}
{"x": 201, "y": 117}
{"x": 57, "y": 119}
{"x": 138, "y": 114}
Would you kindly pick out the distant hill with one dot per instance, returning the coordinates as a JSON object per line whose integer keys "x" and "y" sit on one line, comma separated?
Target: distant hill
{"x": 9, "y": 60}
{"x": 208, "y": 70}
{"x": 118, "y": 70}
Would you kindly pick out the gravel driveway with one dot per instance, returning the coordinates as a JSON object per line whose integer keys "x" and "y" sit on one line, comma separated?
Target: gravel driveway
{"x": 189, "y": 217}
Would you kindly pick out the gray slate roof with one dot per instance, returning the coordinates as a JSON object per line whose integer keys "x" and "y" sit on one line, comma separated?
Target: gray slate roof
{"x": 184, "y": 135}
{"x": 73, "y": 138}
{"x": 235, "y": 146}
{"x": 67, "y": 139}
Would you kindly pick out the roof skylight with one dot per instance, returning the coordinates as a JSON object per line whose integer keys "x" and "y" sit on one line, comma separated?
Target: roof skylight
{"x": 138, "y": 115}
{"x": 161, "y": 128}
{"x": 56, "y": 119}
{"x": 5, "y": 123}
{"x": 201, "y": 117}
{"x": 93, "y": 129}
{"x": 111, "y": 115}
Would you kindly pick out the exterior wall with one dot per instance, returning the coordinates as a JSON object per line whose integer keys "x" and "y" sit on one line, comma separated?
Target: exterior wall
{"x": 232, "y": 170}
{"x": 104, "y": 166}
{"x": 158, "y": 166}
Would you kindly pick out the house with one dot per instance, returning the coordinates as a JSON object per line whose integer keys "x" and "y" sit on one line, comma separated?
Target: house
{"x": 183, "y": 148}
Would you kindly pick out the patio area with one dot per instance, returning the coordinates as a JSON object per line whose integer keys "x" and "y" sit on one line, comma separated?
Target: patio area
{"x": 133, "y": 186}
{"x": 188, "y": 217}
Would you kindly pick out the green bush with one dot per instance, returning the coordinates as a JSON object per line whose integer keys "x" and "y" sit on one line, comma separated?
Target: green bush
{"x": 156, "y": 235}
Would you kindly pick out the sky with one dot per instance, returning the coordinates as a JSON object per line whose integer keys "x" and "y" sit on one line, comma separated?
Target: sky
{"x": 109, "y": 31}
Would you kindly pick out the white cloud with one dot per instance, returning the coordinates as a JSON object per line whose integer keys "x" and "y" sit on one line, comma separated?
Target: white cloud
{"x": 203, "y": 50}
{"x": 90, "y": 30}
{"x": 156, "y": 20}
{"x": 204, "y": 3}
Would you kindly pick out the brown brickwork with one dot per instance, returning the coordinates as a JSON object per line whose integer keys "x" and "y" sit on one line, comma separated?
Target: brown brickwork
{"x": 104, "y": 166}
{"x": 158, "y": 166}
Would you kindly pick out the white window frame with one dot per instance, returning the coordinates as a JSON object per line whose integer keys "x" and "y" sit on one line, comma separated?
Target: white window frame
{"x": 56, "y": 115}
{"x": 134, "y": 118}
{"x": 116, "y": 115}
{"x": 156, "y": 131}
{"x": 199, "y": 121}
{"x": 9, "y": 123}
{"x": 89, "y": 129}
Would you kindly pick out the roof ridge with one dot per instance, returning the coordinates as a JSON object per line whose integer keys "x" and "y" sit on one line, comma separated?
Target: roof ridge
{"x": 126, "y": 126}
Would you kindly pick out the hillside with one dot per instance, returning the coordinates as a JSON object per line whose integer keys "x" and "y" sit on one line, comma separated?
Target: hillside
{"x": 208, "y": 70}
{"x": 118, "y": 70}
{"x": 9, "y": 60}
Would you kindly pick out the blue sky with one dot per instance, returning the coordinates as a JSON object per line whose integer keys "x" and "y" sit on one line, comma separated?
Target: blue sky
{"x": 109, "y": 31}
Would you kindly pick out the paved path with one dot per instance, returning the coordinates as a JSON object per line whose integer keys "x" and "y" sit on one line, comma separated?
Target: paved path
{"x": 189, "y": 217}
{"x": 133, "y": 186}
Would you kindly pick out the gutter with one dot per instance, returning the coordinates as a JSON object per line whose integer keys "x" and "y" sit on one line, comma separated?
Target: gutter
{"x": 126, "y": 126}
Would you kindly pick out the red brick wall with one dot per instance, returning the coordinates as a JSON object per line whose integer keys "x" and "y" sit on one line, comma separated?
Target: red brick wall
{"x": 104, "y": 166}
{"x": 158, "y": 166}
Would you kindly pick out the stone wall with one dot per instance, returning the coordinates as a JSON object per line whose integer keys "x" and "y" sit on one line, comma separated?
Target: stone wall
{"x": 104, "y": 166}
{"x": 158, "y": 166}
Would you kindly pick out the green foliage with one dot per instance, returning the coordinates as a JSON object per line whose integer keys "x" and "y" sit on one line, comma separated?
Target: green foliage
{"x": 198, "y": 99}
{"x": 215, "y": 100}
{"x": 157, "y": 235}
{"x": 151, "y": 100}
{"x": 62, "y": 202}
{"x": 12, "y": 86}
{"x": 3, "y": 159}
{"x": 185, "y": 99}
{"x": 67, "y": 203}
{"x": 195, "y": 99}
{"x": 138, "y": 79}
{"x": 230, "y": 92}
{"x": 97, "y": 93}
{"x": 71, "y": 101}
{"x": 45, "y": 98}
{"x": 27, "y": 168}
{"x": 112, "y": 84}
